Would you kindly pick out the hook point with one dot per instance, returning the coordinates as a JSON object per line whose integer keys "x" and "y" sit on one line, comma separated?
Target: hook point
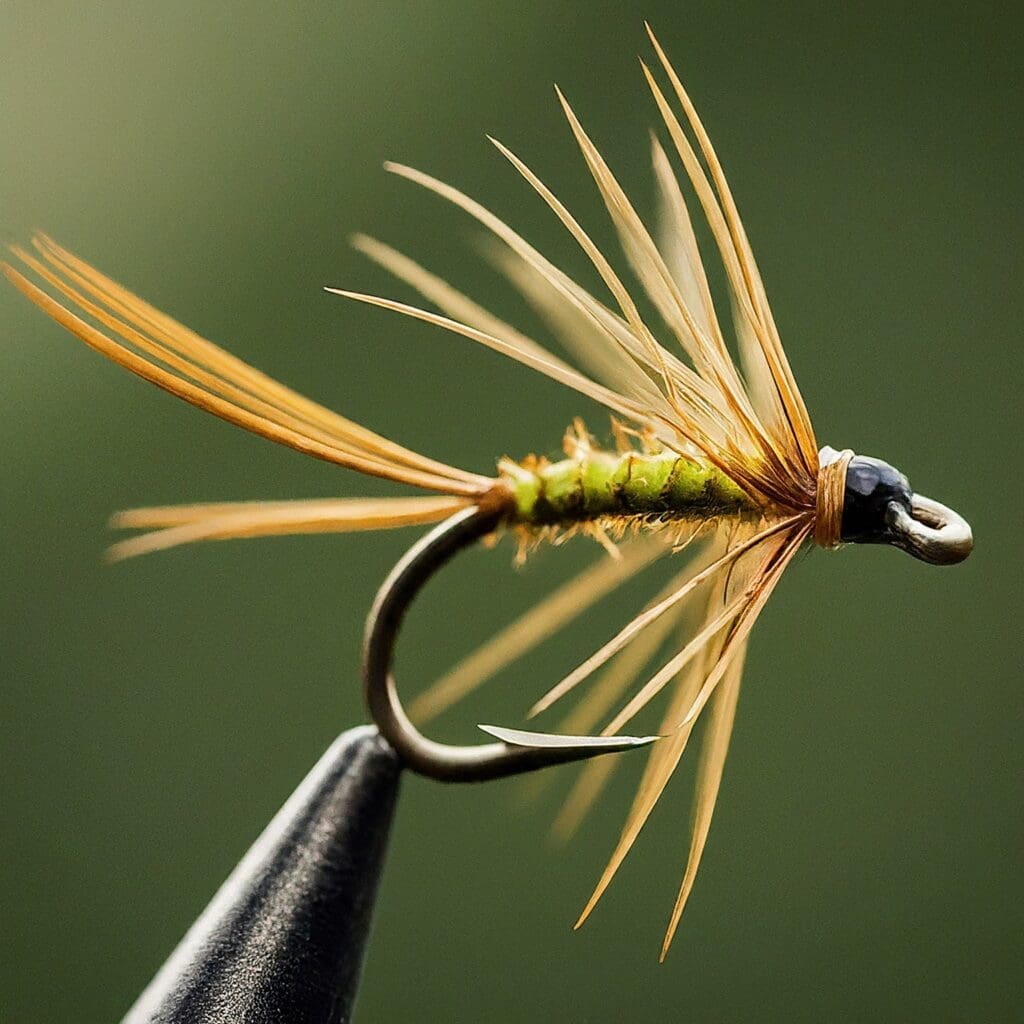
{"x": 560, "y": 741}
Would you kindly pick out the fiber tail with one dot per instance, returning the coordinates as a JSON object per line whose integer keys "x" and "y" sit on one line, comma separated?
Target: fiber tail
{"x": 173, "y": 525}
{"x": 135, "y": 335}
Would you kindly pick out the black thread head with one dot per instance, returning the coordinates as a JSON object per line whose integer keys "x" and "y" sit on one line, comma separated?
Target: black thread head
{"x": 871, "y": 487}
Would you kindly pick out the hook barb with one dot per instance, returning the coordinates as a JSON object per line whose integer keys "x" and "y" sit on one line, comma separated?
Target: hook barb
{"x": 516, "y": 751}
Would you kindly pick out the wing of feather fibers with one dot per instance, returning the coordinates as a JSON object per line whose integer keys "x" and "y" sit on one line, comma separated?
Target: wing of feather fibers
{"x": 762, "y": 439}
{"x": 738, "y": 258}
{"x": 610, "y": 330}
{"x": 709, "y": 408}
{"x": 714, "y": 366}
{"x": 575, "y": 331}
{"x": 448, "y": 299}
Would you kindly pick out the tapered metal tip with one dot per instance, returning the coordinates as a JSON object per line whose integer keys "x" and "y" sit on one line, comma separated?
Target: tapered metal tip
{"x": 283, "y": 939}
{"x": 578, "y": 745}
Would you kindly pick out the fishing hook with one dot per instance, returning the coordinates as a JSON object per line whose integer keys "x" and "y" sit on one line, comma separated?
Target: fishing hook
{"x": 517, "y": 751}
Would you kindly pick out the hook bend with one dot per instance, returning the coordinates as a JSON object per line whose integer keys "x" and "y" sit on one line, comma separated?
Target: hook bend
{"x": 516, "y": 751}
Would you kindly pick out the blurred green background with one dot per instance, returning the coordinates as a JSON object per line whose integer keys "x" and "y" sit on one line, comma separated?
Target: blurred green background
{"x": 865, "y": 858}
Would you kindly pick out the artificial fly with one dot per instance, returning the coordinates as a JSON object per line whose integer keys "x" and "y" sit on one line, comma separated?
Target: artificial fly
{"x": 706, "y": 447}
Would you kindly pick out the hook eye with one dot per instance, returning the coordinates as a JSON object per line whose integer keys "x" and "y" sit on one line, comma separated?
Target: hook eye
{"x": 517, "y": 751}
{"x": 930, "y": 531}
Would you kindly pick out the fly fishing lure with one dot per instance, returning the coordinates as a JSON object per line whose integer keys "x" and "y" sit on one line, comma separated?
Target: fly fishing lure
{"x": 707, "y": 447}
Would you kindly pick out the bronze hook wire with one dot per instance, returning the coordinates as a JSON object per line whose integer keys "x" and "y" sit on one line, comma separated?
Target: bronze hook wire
{"x": 517, "y": 751}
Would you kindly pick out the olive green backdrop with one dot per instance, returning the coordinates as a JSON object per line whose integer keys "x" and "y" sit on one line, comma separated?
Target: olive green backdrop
{"x": 865, "y": 858}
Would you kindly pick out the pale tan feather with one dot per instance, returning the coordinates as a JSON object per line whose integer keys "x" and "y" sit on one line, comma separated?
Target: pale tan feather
{"x": 173, "y": 526}
{"x": 697, "y": 423}
{"x": 193, "y": 384}
{"x": 575, "y": 331}
{"x": 611, "y": 330}
{"x": 700, "y": 405}
{"x": 757, "y": 579}
{"x": 714, "y": 748}
{"x": 155, "y": 326}
{"x": 448, "y": 299}
{"x": 661, "y": 763}
{"x": 744, "y": 544}
{"x": 737, "y": 258}
{"x": 723, "y": 389}
{"x": 543, "y": 620}
{"x": 557, "y": 370}
{"x": 606, "y": 690}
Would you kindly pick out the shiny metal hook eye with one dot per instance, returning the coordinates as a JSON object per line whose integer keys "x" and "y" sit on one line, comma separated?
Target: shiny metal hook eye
{"x": 517, "y": 751}
{"x": 930, "y": 531}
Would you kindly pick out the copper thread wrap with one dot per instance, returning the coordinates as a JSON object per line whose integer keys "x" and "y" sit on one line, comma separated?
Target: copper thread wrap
{"x": 828, "y": 519}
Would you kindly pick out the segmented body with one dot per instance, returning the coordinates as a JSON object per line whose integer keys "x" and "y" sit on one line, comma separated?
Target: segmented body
{"x": 598, "y": 484}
